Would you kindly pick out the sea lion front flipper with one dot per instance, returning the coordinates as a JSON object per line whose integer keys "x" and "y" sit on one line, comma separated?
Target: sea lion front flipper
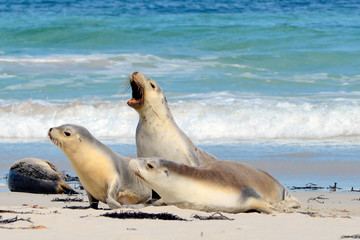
{"x": 93, "y": 201}
{"x": 159, "y": 202}
{"x": 259, "y": 205}
{"x": 111, "y": 194}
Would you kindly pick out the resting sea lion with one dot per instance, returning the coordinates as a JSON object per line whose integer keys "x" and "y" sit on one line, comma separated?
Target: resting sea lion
{"x": 103, "y": 173}
{"x": 36, "y": 176}
{"x": 157, "y": 134}
{"x": 226, "y": 186}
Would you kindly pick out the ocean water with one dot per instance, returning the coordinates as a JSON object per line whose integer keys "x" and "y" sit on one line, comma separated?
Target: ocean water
{"x": 274, "y": 83}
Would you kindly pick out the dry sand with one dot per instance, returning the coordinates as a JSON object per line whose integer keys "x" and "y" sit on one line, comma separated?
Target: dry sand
{"x": 324, "y": 215}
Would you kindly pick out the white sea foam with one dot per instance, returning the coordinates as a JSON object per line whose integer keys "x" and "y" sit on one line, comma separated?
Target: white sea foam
{"x": 209, "y": 119}
{"x": 119, "y": 62}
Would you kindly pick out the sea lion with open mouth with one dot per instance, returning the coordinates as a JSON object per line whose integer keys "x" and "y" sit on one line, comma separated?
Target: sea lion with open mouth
{"x": 157, "y": 134}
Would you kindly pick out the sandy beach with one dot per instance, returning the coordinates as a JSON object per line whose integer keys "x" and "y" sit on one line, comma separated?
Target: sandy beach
{"x": 324, "y": 215}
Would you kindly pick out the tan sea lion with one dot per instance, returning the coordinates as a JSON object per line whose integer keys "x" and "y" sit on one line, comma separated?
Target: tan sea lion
{"x": 226, "y": 186}
{"x": 35, "y": 175}
{"x": 157, "y": 134}
{"x": 103, "y": 173}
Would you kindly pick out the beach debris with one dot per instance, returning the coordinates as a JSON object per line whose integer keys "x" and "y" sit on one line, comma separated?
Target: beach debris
{"x": 73, "y": 180}
{"x": 15, "y": 212}
{"x": 333, "y": 188}
{"x": 215, "y": 216}
{"x": 356, "y": 199}
{"x": 353, "y": 190}
{"x": 311, "y": 214}
{"x": 30, "y": 227}
{"x": 356, "y": 236}
{"x": 308, "y": 186}
{"x": 7, "y": 211}
{"x": 69, "y": 178}
{"x": 79, "y": 207}
{"x": 76, "y": 199}
{"x": 15, "y": 219}
{"x": 142, "y": 215}
{"x": 321, "y": 197}
{"x": 34, "y": 206}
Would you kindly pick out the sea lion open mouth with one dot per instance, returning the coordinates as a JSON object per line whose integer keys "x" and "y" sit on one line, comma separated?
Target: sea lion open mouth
{"x": 137, "y": 92}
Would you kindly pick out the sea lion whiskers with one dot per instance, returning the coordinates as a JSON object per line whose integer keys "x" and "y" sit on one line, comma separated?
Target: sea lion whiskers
{"x": 125, "y": 88}
{"x": 55, "y": 140}
{"x": 135, "y": 174}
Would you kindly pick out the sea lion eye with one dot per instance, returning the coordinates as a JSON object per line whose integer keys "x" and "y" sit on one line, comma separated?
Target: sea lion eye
{"x": 152, "y": 85}
{"x": 68, "y": 134}
{"x": 150, "y": 166}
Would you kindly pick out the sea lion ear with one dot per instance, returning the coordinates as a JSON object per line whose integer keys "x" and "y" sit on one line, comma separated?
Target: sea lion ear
{"x": 79, "y": 137}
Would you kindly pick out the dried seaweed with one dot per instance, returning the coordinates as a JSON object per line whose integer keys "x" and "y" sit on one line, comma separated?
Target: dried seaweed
{"x": 77, "y": 207}
{"x": 354, "y": 190}
{"x": 30, "y": 227}
{"x": 67, "y": 199}
{"x": 215, "y": 216}
{"x": 311, "y": 214}
{"x": 12, "y": 211}
{"x": 321, "y": 197}
{"x": 334, "y": 188}
{"x": 356, "y": 236}
{"x": 15, "y": 219}
{"x": 308, "y": 186}
{"x": 142, "y": 215}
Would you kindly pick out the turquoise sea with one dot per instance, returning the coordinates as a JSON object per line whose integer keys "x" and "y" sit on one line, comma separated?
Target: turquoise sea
{"x": 269, "y": 82}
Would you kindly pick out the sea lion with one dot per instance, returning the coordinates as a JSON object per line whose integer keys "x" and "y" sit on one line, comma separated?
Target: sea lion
{"x": 157, "y": 134}
{"x": 103, "y": 173}
{"x": 226, "y": 186}
{"x": 34, "y": 175}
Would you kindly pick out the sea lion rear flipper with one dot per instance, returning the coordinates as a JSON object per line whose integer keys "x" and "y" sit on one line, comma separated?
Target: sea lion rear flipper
{"x": 93, "y": 202}
{"x": 64, "y": 188}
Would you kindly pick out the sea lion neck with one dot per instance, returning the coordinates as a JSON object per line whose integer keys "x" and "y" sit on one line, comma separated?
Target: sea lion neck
{"x": 156, "y": 112}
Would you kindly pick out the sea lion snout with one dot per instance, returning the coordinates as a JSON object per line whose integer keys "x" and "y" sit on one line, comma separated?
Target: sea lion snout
{"x": 49, "y": 132}
{"x": 134, "y": 74}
